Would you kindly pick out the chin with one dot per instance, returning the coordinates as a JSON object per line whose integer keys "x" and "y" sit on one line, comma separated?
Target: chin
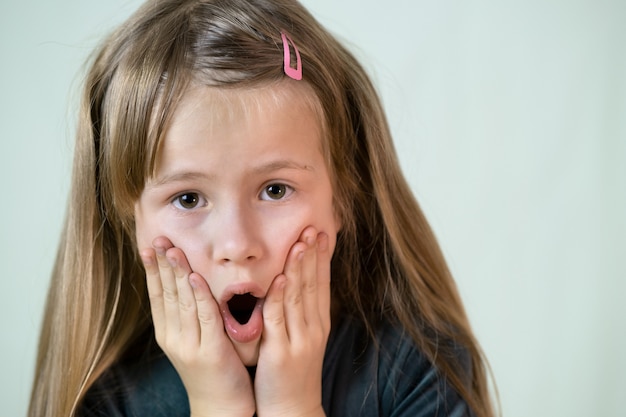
{"x": 248, "y": 352}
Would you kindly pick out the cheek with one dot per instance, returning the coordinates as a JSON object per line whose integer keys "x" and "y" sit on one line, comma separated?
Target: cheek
{"x": 142, "y": 232}
{"x": 275, "y": 231}
{"x": 149, "y": 226}
{"x": 281, "y": 243}
{"x": 327, "y": 220}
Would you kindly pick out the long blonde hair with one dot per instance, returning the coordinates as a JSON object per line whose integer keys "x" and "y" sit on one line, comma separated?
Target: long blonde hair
{"x": 388, "y": 259}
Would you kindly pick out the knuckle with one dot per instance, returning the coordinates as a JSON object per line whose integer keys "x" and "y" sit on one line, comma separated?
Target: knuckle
{"x": 168, "y": 345}
{"x": 303, "y": 350}
{"x": 160, "y": 338}
{"x": 295, "y": 299}
{"x": 170, "y": 295}
{"x": 162, "y": 263}
{"x": 318, "y": 336}
{"x": 200, "y": 298}
{"x": 186, "y": 306}
{"x": 309, "y": 287}
{"x": 188, "y": 357}
{"x": 275, "y": 320}
{"x": 155, "y": 296}
{"x": 206, "y": 319}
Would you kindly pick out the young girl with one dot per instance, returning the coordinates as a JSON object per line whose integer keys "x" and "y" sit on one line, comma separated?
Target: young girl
{"x": 240, "y": 239}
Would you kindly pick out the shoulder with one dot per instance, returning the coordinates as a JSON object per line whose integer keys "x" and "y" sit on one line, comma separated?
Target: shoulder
{"x": 147, "y": 387}
{"x": 385, "y": 376}
{"x": 412, "y": 384}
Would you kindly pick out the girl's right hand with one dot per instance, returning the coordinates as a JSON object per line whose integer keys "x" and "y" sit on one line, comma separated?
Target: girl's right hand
{"x": 188, "y": 327}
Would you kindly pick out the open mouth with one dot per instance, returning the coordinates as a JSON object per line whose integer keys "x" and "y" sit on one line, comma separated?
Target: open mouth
{"x": 241, "y": 307}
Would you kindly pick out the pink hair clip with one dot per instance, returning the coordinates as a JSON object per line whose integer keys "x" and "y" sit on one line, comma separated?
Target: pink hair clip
{"x": 295, "y": 73}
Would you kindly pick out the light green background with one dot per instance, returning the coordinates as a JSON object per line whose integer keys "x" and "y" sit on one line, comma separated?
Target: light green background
{"x": 510, "y": 121}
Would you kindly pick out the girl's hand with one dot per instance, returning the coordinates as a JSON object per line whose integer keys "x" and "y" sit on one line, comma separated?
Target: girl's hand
{"x": 296, "y": 318}
{"x": 188, "y": 327}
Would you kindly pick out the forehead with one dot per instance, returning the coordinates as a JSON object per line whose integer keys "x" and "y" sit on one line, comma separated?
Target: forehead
{"x": 242, "y": 103}
{"x": 282, "y": 114}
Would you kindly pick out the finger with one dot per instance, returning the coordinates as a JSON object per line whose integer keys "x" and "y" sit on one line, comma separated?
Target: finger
{"x": 274, "y": 329}
{"x": 209, "y": 319}
{"x": 155, "y": 291}
{"x": 168, "y": 283}
{"x": 309, "y": 278}
{"x": 188, "y": 313}
{"x": 323, "y": 280}
{"x": 292, "y": 300}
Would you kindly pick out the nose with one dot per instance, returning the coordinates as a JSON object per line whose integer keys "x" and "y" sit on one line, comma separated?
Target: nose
{"x": 236, "y": 236}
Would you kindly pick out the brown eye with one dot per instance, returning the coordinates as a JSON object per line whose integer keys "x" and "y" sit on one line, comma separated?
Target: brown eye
{"x": 275, "y": 192}
{"x": 187, "y": 201}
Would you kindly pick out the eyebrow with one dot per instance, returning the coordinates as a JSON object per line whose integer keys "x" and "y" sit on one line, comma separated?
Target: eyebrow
{"x": 281, "y": 164}
{"x": 258, "y": 170}
{"x": 179, "y": 177}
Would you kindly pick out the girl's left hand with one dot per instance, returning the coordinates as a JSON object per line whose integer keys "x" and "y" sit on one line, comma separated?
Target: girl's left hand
{"x": 296, "y": 317}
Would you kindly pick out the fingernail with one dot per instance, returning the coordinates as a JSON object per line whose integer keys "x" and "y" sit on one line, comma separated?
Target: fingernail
{"x": 172, "y": 261}
{"x": 193, "y": 283}
{"x": 160, "y": 250}
{"x": 146, "y": 260}
{"x": 300, "y": 255}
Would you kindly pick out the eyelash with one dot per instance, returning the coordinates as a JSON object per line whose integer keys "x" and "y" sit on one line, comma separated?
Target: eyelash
{"x": 200, "y": 201}
{"x": 287, "y": 191}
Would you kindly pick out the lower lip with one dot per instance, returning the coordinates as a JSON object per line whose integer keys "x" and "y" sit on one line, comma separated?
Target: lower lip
{"x": 244, "y": 333}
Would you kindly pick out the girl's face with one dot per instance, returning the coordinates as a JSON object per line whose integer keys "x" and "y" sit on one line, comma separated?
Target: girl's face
{"x": 240, "y": 175}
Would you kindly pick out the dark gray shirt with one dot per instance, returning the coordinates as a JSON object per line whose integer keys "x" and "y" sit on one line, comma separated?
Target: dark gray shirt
{"x": 391, "y": 378}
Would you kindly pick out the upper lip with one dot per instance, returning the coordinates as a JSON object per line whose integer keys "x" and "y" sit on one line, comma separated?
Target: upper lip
{"x": 241, "y": 288}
